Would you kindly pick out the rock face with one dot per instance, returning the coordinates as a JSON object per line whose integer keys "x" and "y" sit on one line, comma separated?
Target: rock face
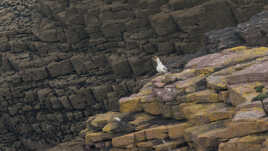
{"x": 64, "y": 60}
{"x": 207, "y": 107}
{"x": 251, "y": 33}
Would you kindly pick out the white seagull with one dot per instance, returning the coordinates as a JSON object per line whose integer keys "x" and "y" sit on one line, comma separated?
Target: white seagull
{"x": 117, "y": 119}
{"x": 160, "y": 67}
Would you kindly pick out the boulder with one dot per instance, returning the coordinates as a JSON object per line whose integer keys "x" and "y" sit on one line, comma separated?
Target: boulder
{"x": 159, "y": 132}
{"x": 204, "y": 96}
{"x": 59, "y": 68}
{"x": 121, "y": 68}
{"x": 78, "y": 63}
{"x": 140, "y": 66}
{"x": 177, "y": 130}
{"x": 130, "y": 104}
{"x": 241, "y": 93}
{"x": 92, "y": 137}
{"x": 100, "y": 92}
{"x": 34, "y": 74}
{"x": 253, "y": 73}
{"x": 217, "y": 40}
{"x": 249, "y": 143}
{"x": 163, "y": 24}
{"x": 124, "y": 140}
{"x": 112, "y": 29}
{"x": 204, "y": 17}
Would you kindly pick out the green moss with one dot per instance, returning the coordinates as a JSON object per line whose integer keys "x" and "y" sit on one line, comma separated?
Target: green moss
{"x": 259, "y": 88}
{"x": 261, "y": 96}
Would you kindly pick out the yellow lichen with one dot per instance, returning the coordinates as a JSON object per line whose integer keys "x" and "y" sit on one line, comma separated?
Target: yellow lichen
{"x": 205, "y": 71}
{"x": 152, "y": 108}
{"x": 204, "y": 96}
{"x": 259, "y": 50}
{"x": 246, "y": 54}
{"x": 215, "y": 116}
{"x": 238, "y": 48}
{"x": 131, "y": 105}
{"x": 252, "y": 139}
{"x": 147, "y": 91}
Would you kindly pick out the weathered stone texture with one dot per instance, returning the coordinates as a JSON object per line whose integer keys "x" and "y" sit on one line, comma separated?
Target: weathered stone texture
{"x": 198, "y": 116}
{"x": 62, "y": 61}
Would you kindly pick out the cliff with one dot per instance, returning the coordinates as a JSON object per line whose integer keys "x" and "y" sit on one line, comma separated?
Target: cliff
{"x": 209, "y": 106}
{"x": 64, "y": 60}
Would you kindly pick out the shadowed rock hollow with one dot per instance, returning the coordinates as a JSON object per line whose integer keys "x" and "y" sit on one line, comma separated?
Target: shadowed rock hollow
{"x": 64, "y": 60}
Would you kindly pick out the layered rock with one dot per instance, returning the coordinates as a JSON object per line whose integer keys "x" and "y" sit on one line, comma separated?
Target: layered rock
{"x": 251, "y": 33}
{"x": 59, "y": 59}
{"x": 208, "y": 106}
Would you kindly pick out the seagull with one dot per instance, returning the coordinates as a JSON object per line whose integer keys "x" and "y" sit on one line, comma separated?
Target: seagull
{"x": 117, "y": 119}
{"x": 160, "y": 67}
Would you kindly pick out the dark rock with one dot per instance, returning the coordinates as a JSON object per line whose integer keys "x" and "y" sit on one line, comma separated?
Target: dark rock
{"x": 4, "y": 46}
{"x": 30, "y": 96}
{"x": 60, "y": 68}
{"x": 35, "y": 145}
{"x": 252, "y": 33}
{"x": 47, "y": 31}
{"x": 49, "y": 92}
{"x": 204, "y": 17}
{"x": 43, "y": 96}
{"x": 78, "y": 64}
{"x": 149, "y": 48}
{"x": 111, "y": 104}
{"x": 222, "y": 39}
{"x": 74, "y": 16}
{"x": 34, "y": 74}
{"x": 135, "y": 24}
{"x": 14, "y": 109}
{"x": 6, "y": 65}
{"x": 55, "y": 103}
{"x": 48, "y": 8}
{"x": 18, "y": 46}
{"x": 141, "y": 66}
{"x": 182, "y": 4}
{"x": 112, "y": 29}
{"x": 243, "y": 10}
{"x": 65, "y": 102}
{"x": 165, "y": 48}
{"x": 100, "y": 60}
{"x": 92, "y": 22}
{"x": 255, "y": 31}
{"x": 121, "y": 67}
{"x": 121, "y": 89}
{"x": 81, "y": 98}
{"x": 100, "y": 92}
{"x": 163, "y": 24}
{"x": 153, "y": 4}
{"x": 76, "y": 144}
{"x": 75, "y": 33}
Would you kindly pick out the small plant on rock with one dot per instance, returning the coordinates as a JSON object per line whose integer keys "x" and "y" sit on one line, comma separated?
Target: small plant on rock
{"x": 261, "y": 97}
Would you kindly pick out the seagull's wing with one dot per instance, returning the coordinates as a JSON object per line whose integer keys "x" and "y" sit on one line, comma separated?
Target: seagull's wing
{"x": 117, "y": 119}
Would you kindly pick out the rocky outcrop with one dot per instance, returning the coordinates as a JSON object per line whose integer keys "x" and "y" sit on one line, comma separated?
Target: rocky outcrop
{"x": 62, "y": 61}
{"x": 251, "y": 33}
{"x": 208, "y": 106}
